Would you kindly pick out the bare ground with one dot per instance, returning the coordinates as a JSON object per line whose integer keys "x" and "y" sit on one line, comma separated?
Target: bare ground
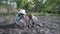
{"x": 48, "y": 25}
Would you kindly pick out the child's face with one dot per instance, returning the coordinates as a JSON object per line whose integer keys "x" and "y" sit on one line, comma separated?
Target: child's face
{"x": 22, "y": 15}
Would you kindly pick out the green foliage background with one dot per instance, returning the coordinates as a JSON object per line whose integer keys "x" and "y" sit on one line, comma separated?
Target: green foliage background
{"x": 40, "y": 7}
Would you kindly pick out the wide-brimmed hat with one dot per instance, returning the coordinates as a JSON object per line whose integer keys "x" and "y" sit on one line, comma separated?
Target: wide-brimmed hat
{"x": 22, "y": 11}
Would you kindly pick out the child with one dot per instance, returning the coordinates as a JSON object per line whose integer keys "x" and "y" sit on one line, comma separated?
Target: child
{"x": 31, "y": 20}
{"x": 20, "y": 18}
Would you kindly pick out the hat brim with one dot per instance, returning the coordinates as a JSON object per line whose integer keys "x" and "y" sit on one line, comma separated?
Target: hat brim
{"x": 23, "y": 13}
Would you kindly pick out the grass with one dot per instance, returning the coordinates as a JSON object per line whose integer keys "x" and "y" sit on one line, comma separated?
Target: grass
{"x": 4, "y": 14}
{"x": 44, "y": 14}
{"x": 35, "y": 13}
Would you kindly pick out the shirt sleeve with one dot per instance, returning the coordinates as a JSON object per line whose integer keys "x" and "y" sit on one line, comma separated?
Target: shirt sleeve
{"x": 26, "y": 19}
{"x": 16, "y": 18}
{"x": 35, "y": 19}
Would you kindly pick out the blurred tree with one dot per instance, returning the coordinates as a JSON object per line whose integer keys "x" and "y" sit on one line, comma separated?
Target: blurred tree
{"x": 24, "y": 4}
{"x": 38, "y": 5}
{"x": 50, "y": 4}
